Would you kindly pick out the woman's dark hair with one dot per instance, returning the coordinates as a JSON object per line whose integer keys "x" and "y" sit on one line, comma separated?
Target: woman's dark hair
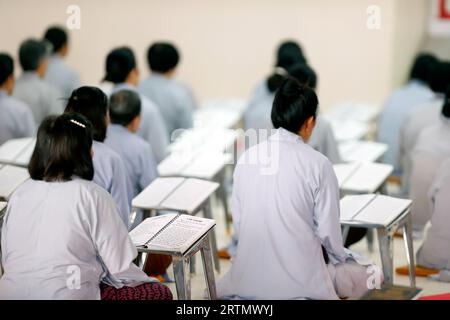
{"x": 275, "y": 80}
{"x": 446, "y": 107}
{"x": 293, "y": 105}
{"x": 6, "y": 67}
{"x": 423, "y": 67}
{"x": 303, "y": 74}
{"x": 162, "y": 57}
{"x": 57, "y": 36}
{"x": 119, "y": 64}
{"x": 63, "y": 149}
{"x": 92, "y": 103}
{"x": 124, "y": 106}
{"x": 440, "y": 77}
{"x": 288, "y": 54}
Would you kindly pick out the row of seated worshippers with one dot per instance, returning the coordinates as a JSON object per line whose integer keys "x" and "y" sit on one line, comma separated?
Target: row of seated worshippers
{"x": 415, "y": 123}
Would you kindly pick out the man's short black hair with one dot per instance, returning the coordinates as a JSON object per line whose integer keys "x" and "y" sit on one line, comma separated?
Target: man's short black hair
{"x": 440, "y": 77}
{"x": 162, "y": 57}
{"x": 92, "y": 103}
{"x": 6, "y": 67}
{"x": 124, "y": 107}
{"x": 303, "y": 74}
{"x": 63, "y": 149}
{"x": 423, "y": 67}
{"x": 31, "y": 54}
{"x": 293, "y": 105}
{"x": 288, "y": 54}
{"x": 119, "y": 63}
{"x": 57, "y": 37}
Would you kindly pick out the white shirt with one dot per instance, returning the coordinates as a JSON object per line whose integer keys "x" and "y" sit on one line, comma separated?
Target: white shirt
{"x": 152, "y": 128}
{"x": 61, "y": 76}
{"x": 424, "y": 115}
{"x": 16, "y": 119}
{"x": 136, "y": 154}
{"x": 175, "y": 102}
{"x": 42, "y": 98}
{"x": 432, "y": 148}
{"x": 434, "y": 251}
{"x": 285, "y": 206}
{"x": 397, "y": 107}
{"x": 111, "y": 175}
{"x": 55, "y": 231}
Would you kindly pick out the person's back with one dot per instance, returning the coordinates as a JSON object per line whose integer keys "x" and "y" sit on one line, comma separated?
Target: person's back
{"x": 16, "y": 119}
{"x": 403, "y": 102}
{"x": 431, "y": 150}
{"x": 42, "y": 98}
{"x": 175, "y": 101}
{"x": 434, "y": 251}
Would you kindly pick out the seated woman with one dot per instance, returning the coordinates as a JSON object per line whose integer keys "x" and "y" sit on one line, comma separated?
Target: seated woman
{"x": 285, "y": 210}
{"x": 62, "y": 235}
{"x": 434, "y": 251}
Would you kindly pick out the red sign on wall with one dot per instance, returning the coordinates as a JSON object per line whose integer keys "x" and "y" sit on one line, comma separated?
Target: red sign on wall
{"x": 444, "y": 9}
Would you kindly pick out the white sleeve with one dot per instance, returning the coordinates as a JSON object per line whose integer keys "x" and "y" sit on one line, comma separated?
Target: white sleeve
{"x": 327, "y": 213}
{"x": 114, "y": 248}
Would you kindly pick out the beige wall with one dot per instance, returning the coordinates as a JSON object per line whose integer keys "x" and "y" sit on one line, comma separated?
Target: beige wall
{"x": 227, "y": 46}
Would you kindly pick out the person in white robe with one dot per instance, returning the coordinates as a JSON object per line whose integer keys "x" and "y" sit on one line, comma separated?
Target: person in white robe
{"x": 175, "y": 100}
{"x": 432, "y": 148}
{"x": 403, "y": 102}
{"x": 285, "y": 211}
{"x": 109, "y": 169}
{"x": 42, "y": 98}
{"x": 135, "y": 152}
{"x": 16, "y": 119}
{"x": 59, "y": 74}
{"x": 434, "y": 251}
{"x": 425, "y": 115}
{"x": 62, "y": 237}
{"x": 121, "y": 69}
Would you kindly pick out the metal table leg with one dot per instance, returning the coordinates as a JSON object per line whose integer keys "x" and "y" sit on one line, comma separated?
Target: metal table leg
{"x": 222, "y": 192}
{"x": 182, "y": 277}
{"x": 386, "y": 251}
{"x": 208, "y": 269}
{"x": 407, "y": 237}
{"x": 208, "y": 214}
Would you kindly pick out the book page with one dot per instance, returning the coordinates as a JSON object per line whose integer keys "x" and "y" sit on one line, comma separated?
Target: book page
{"x": 189, "y": 195}
{"x": 343, "y": 171}
{"x": 383, "y": 210}
{"x": 11, "y": 149}
{"x": 152, "y": 196}
{"x": 368, "y": 177}
{"x": 182, "y": 233}
{"x": 25, "y": 156}
{"x": 352, "y": 205}
{"x": 11, "y": 177}
{"x": 206, "y": 165}
{"x": 149, "y": 227}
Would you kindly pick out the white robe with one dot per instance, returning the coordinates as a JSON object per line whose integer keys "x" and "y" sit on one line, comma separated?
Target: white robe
{"x": 16, "y": 119}
{"x": 152, "y": 128}
{"x": 61, "y": 76}
{"x": 111, "y": 175}
{"x": 285, "y": 207}
{"x": 175, "y": 101}
{"x": 424, "y": 115}
{"x": 396, "y": 109}
{"x": 432, "y": 148}
{"x": 42, "y": 98}
{"x": 434, "y": 251}
{"x": 60, "y": 239}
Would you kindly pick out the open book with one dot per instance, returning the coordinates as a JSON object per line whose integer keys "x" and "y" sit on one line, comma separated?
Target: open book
{"x": 372, "y": 209}
{"x": 362, "y": 151}
{"x": 177, "y": 194}
{"x": 10, "y": 178}
{"x": 362, "y": 177}
{"x": 172, "y": 233}
{"x": 17, "y": 151}
{"x": 393, "y": 292}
